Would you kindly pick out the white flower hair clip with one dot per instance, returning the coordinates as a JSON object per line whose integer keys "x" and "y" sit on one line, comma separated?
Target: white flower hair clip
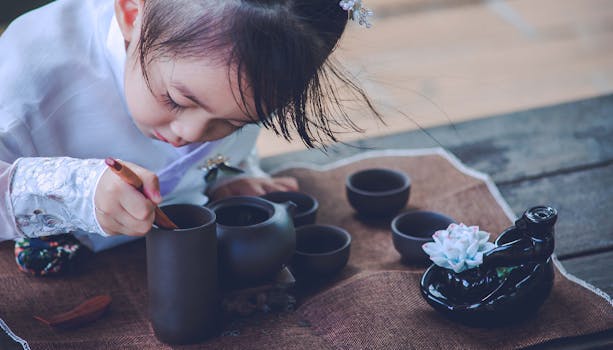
{"x": 459, "y": 247}
{"x": 357, "y": 12}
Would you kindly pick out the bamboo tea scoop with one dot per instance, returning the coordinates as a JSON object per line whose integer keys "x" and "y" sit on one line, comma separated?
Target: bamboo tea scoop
{"x": 86, "y": 312}
{"x": 132, "y": 179}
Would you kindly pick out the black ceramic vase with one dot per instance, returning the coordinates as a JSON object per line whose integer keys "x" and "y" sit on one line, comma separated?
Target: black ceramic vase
{"x": 182, "y": 276}
{"x": 256, "y": 239}
{"x": 510, "y": 285}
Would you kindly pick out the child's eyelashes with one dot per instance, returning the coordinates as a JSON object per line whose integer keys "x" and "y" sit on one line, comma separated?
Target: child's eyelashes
{"x": 175, "y": 107}
{"x": 239, "y": 124}
{"x": 236, "y": 124}
{"x": 172, "y": 104}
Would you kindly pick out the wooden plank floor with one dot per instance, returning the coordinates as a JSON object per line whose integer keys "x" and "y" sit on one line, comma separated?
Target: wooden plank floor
{"x": 433, "y": 62}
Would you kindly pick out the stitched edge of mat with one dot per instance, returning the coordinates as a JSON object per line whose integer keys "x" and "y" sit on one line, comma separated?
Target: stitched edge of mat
{"x": 13, "y": 336}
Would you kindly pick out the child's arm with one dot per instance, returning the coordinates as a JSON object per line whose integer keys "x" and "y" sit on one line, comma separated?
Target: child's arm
{"x": 254, "y": 182}
{"x": 48, "y": 196}
{"x": 239, "y": 149}
{"x": 252, "y": 186}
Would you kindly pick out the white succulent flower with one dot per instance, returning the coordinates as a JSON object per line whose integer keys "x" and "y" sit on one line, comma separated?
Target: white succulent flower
{"x": 459, "y": 247}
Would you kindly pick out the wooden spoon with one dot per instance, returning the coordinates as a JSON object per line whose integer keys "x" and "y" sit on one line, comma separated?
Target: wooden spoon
{"x": 86, "y": 312}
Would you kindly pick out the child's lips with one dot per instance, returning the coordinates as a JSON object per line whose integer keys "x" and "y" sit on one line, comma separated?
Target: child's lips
{"x": 159, "y": 136}
{"x": 162, "y": 138}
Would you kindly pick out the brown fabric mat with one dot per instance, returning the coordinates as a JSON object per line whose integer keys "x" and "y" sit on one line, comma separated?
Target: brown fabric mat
{"x": 373, "y": 303}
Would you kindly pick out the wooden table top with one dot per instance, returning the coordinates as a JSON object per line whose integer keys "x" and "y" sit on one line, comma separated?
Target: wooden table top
{"x": 560, "y": 155}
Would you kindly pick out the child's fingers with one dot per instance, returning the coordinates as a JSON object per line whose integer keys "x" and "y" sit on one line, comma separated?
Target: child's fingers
{"x": 110, "y": 188}
{"x": 121, "y": 208}
{"x": 151, "y": 184}
{"x": 109, "y": 223}
{"x": 270, "y": 186}
{"x": 137, "y": 206}
{"x": 134, "y": 228}
{"x": 106, "y": 221}
{"x": 121, "y": 198}
{"x": 286, "y": 183}
{"x": 122, "y": 222}
{"x": 242, "y": 187}
{"x": 248, "y": 188}
{"x": 130, "y": 226}
{"x": 255, "y": 187}
{"x": 280, "y": 184}
{"x": 134, "y": 202}
{"x": 221, "y": 192}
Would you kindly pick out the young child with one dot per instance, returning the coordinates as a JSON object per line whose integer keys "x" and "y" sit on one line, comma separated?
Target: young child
{"x": 172, "y": 89}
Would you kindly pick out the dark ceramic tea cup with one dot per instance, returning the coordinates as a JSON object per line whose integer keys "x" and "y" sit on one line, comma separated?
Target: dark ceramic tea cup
{"x": 306, "y": 210}
{"x": 411, "y": 230}
{"x": 182, "y": 276}
{"x": 321, "y": 250}
{"x": 256, "y": 239}
{"x": 378, "y": 192}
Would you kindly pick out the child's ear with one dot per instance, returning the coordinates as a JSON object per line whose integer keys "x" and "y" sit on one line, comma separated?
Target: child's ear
{"x": 128, "y": 16}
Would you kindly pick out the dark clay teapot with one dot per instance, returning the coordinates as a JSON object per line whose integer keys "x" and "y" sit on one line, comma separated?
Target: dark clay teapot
{"x": 513, "y": 281}
{"x": 256, "y": 238}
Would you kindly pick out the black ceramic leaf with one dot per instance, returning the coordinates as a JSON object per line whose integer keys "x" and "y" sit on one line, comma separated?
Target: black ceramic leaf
{"x": 230, "y": 169}
{"x": 211, "y": 175}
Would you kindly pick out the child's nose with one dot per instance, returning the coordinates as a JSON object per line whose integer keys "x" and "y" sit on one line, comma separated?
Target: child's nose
{"x": 191, "y": 130}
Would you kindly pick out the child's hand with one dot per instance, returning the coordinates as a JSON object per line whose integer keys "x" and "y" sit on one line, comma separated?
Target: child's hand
{"x": 252, "y": 186}
{"x": 121, "y": 208}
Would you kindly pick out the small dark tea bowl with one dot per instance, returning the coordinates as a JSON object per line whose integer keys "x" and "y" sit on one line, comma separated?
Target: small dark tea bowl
{"x": 378, "y": 192}
{"x": 321, "y": 250}
{"x": 411, "y": 230}
{"x": 306, "y": 210}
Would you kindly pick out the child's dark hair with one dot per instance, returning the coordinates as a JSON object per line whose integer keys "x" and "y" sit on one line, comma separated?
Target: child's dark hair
{"x": 281, "y": 47}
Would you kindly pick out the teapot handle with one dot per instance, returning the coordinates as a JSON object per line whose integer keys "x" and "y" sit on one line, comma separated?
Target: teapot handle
{"x": 290, "y": 207}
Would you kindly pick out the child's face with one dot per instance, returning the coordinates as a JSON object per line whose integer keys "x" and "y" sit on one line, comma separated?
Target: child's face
{"x": 189, "y": 101}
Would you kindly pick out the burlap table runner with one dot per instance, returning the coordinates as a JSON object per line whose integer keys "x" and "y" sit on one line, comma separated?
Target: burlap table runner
{"x": 373, "y": 303}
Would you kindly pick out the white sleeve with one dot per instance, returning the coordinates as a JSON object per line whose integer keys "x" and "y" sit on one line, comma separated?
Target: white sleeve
{"x": 8, "y": 230}
{"x": 47, "y": 196}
